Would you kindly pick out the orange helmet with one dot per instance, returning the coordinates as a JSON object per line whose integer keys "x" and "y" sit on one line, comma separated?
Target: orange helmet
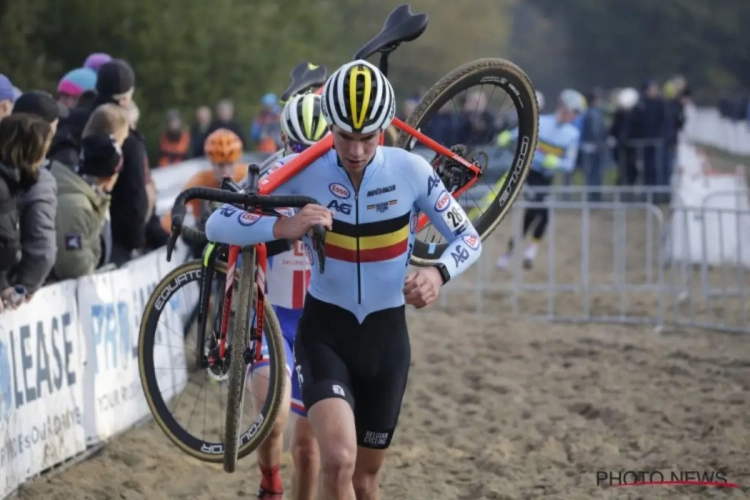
{"x": 223, "y": 146}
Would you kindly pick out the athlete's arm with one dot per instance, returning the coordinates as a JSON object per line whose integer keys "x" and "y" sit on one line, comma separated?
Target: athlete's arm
{"x": 448, "y": 217}
{"x": 566, "y": 162}
{"x": 232, "y": 226}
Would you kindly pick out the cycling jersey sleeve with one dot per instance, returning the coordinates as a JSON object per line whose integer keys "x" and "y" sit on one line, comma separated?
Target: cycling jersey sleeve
{"x": 446, "y": 214}
{"x": 568, "y": 160}
{"x": 232, "y": 226}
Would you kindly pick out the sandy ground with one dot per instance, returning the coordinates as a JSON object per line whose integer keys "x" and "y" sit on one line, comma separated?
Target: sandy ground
{"x": 500, "y": 406}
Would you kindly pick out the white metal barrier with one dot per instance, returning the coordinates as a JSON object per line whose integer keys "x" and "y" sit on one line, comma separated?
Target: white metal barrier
{"x": 69, "y": 376}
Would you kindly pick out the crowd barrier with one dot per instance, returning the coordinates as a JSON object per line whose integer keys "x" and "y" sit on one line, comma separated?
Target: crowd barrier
{"x": 69, "y": 377}
{"x": 664, "y": 256}
{"x": 706, "y": 126}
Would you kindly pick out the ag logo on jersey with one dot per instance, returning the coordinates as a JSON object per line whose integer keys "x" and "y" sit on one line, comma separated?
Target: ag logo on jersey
{"x": 472, "y": 241}
{"x": 339, "y": 190}
{"x": 443, "y": 201}
{"x": 248, "y": 219}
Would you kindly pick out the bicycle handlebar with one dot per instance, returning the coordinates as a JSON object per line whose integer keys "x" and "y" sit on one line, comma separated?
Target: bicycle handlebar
{"x": 265, "y": 202}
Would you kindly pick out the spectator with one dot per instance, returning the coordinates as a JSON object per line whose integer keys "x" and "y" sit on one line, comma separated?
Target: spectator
{"x": 593, "y": 149}
{"x": 174, "y": 142}
{"x": 37, "y": 207}
{"x": 624, "y": 153}
{"x": 648, "y": 125}
{"x": 225, "y": 119}
{"x": 96, "y": 60}
{"x": 129, "y": 206}
{"x": 24, "y": 140}
{"x": 134, "y": 115}
{"x": 75, "y": 83}
{"x": 7, "y": 96}
{"x": 199, "y": 129}
{"x": 266, "y": 128}
{"x": 84, "y": 239}
{"x": 408, "y": 107}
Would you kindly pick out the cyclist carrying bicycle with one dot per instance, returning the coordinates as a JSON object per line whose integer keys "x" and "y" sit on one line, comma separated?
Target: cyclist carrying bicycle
{"x": 223, "y": 149}
{"x": 352, "y": 349}
{"x": 288, "y": 276}
{"x": 556, "y": 152}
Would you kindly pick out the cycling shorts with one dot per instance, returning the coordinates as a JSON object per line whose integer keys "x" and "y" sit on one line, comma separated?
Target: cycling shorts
{"x": 288, "y": 319}
{"x": 367, "y": 365}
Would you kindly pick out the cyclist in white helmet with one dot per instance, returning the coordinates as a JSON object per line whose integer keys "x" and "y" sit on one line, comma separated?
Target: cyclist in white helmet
{"x": 352, "y": 350}
{"x": 288, "y": 276}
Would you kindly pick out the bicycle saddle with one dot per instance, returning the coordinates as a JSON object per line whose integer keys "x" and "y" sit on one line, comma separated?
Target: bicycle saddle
{"x": 401, "y": 26}
{"x": 304, "y": 75}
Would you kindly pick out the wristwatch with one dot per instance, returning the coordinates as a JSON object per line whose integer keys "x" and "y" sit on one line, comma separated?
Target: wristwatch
{"x": 443, "y": 272}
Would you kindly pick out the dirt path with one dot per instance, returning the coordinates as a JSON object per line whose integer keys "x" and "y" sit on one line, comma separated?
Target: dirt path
{"x": 503, "y": 407}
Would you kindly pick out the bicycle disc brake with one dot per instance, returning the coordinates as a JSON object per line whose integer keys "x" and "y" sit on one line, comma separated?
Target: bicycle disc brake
{"x": 453, "y": 174}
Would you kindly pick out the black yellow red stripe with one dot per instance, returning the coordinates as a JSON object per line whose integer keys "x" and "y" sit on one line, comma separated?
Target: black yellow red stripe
{"x": 375, "y": 241}
{"x": 547, "y": 148}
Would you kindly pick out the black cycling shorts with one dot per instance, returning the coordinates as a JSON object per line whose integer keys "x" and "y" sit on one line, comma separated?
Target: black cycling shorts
{"x": 365, "y": 364}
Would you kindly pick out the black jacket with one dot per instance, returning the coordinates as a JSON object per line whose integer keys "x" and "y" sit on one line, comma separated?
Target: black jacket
{"x": 10, "y": 235}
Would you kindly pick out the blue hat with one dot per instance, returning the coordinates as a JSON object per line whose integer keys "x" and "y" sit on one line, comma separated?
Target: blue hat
{"x": 7, "y": 92}
{"x": 77, "y": 82}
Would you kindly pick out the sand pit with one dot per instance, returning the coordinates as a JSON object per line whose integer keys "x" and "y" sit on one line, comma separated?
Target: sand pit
{"x": 503, "y": 407}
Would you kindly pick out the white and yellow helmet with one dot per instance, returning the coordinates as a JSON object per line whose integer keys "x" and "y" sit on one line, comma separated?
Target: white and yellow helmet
{"x": 302, "y": 121}
{"x": 358, "y": 98}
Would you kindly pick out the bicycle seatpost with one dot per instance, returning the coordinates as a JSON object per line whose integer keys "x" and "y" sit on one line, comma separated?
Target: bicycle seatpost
{"x": 253, "y": 172}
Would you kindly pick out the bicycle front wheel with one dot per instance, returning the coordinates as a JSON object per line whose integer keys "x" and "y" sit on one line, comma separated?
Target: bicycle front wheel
{"x": 510, "y": 78}
{"x": 167, "y": 402}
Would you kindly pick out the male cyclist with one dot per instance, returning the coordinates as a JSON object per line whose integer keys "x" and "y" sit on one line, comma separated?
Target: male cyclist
{"x": 352, "y": 349}
{"x": 288, "y": 276}
{"x": 556, "y": 151}
{"x": 223, "y": 149}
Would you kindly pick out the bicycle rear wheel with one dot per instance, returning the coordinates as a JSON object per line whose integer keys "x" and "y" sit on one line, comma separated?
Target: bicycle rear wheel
{"x": 509, "y": 77}
{"x": 201, "y": 448}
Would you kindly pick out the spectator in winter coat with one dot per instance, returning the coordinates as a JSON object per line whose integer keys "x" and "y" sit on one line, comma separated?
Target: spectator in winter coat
{"x": 129, "y": 207}
{"x": 174, "y": 142}
{"x": 7, "y": 96}
{"x": 84, "y": 239}
{"x": 24, "y": 140}
{"x": 225, "y": 119}
{"x": 37, "y": 207}
{"x": 593, "y": 149}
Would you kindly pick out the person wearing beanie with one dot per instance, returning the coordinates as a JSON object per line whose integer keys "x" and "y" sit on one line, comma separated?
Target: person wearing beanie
{"x": 84, "y": 238}
{"x": 7, "y": 96}
{"x": 96, "y": 60}
{"x": 75, "y": 83}
{"x": 115, "y": 84}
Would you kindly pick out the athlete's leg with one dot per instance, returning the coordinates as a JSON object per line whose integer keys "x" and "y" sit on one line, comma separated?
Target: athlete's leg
{"x": 304, "y": 448}
{"x": 379, "y": 395}
{"x": 325, "y": 383}
{"x": 270, "y": 451}
{"x": 305, "y": 454}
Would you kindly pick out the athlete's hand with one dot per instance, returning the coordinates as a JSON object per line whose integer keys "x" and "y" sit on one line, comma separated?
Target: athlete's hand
{"x": 421, "y": 288}
{"x": 295, "y": 227}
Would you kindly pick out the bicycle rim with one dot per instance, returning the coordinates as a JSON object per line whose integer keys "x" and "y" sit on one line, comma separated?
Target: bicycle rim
{"x": 517, "y": 85}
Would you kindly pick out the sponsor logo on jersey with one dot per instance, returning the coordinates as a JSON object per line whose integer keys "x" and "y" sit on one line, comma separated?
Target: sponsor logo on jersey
{"x": 413, "y": 222}
{"x": 381, "y": 190}
{"x": 472, "y": 241}
{"x": 339, "y": 190}
{"x": 248, "y": 219}
{"x": 309, "y": 254}
{"x": 443, "y": 201}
